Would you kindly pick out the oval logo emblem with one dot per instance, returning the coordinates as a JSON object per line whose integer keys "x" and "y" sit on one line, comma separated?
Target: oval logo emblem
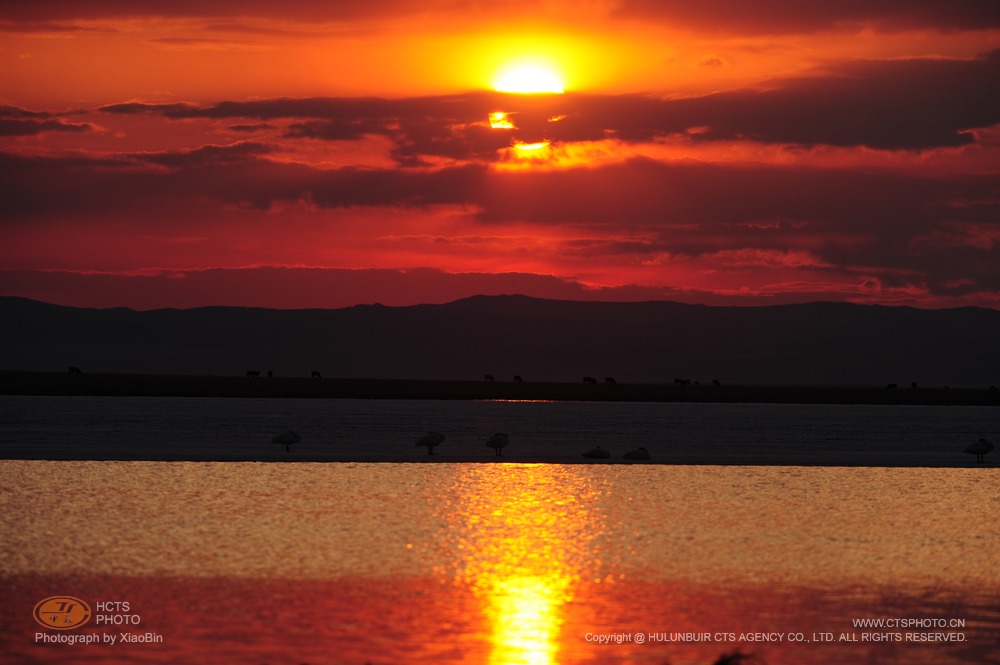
{"x": 62, "y": 612}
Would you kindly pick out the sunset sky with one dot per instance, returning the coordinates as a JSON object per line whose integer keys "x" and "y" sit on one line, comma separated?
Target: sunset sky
{"x": 303, "y": 154}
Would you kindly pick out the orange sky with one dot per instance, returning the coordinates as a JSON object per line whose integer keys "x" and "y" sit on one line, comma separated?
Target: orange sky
{"x": 177, "y": 153}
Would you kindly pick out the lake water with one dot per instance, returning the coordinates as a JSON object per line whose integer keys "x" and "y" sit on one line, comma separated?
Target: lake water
{"x": 158, "y": 428}
{"x": 518, "y": 563}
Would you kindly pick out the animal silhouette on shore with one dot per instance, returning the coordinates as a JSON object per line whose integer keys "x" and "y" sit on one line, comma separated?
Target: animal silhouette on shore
{"x": 980, "y": 448}
{"x": 638, "y": 454}
{"x": 287, "y": 439}
{"x": 498, "y": 442}
{"x": 430, "y": 440}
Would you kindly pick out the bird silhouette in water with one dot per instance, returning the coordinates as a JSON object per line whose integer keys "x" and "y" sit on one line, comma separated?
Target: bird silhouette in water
{"x": 286, "y": 439}
{"x": 597, "y": 453}
{"x": 498, "y": 442}
{"x": 638, "y": 453}
{"x": 980, "y": 448}
{"x": 430, "y": 440}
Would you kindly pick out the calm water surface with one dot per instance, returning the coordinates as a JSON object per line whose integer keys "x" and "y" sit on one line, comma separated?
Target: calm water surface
{"x": 200, "y": 429}
{"x": 502, "y": 563}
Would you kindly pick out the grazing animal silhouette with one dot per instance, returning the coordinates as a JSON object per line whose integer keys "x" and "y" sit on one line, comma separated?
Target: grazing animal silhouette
{"x": 498, "y": 442}
{"x": 597, "y": 453}
{"x": 682, "y": 382}
{"x": 980, "y": 448}
{"x": 589, "y": 379}
{"x": 518, "y": 379}
{"x": 715, "y": 382}
{"x": 286, "y": 439}
{"x": 488, "y": 377}
{"x": 270, "y": 374}
{"x": 253, "y": 373}
{"x": 638, "y": 453}
{"x": 75, "y": 370}
{"x": 316, "y": 375}
{"x": 891, "y": 386}
{"x": 913, "y": 385}
{"x": 610, "y": 380}
{"x": 430, "y": 440}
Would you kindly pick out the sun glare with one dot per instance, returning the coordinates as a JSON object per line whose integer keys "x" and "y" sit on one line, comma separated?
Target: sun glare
{"x": 531, "y": 147}
{"x": 529, "y": 78}
{"x": 501, "y": 120}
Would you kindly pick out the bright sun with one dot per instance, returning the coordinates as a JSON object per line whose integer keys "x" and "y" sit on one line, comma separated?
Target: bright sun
{"x": 529, "y": 78}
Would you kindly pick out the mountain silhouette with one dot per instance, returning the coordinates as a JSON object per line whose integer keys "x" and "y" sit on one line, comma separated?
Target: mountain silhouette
{"x": 541, "y": 340}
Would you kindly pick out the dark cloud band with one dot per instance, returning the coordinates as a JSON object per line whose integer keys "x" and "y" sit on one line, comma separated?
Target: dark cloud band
{"x": 915, "y": 104}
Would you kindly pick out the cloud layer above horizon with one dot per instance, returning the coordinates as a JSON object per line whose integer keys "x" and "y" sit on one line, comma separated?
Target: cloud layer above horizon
{"x": 792, "y": 154}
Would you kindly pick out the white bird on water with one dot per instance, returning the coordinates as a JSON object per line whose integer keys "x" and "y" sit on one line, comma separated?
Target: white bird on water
{"x": 430, "y": 440}
{"x": 498, "y": 442}
{"x": 980, "y": 448}
{"x": 287, "y": 439}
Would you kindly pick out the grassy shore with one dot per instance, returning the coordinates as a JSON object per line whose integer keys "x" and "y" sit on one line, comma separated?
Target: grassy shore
{"x": 42, "y": 383}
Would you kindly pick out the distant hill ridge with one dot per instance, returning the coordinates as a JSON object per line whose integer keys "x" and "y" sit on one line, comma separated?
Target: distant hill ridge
{"x": 550, "y": 340}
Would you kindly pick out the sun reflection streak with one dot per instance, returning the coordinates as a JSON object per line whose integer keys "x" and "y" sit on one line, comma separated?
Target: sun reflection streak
{"x": 524, "y": 535}
{"x": 525, "y": 615}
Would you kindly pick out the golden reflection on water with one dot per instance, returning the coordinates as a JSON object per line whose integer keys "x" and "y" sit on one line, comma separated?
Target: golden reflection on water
{"x": 525, "y": 536}
{"x": 525, "y": 615}
{"x": 507, "y": 564}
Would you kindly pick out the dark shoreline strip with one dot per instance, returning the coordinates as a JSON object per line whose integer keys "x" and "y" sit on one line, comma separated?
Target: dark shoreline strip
{"x": 57, "y": 384}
